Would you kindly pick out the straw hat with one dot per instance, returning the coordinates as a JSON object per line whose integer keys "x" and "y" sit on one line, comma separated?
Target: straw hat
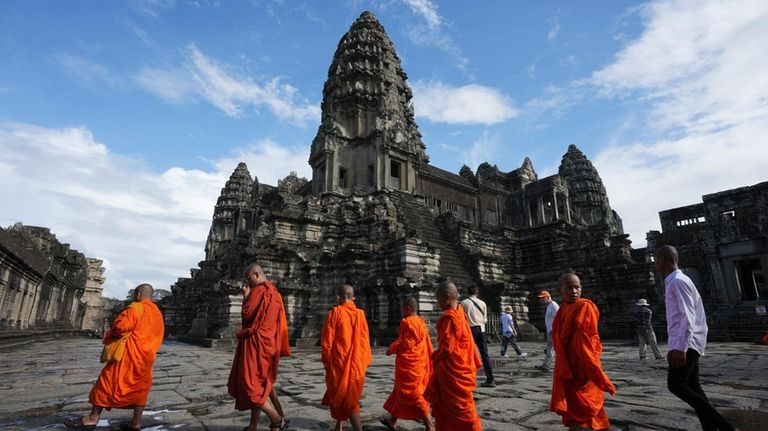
{"x": 641, "y": 302}
{"x": 508, "y": 309}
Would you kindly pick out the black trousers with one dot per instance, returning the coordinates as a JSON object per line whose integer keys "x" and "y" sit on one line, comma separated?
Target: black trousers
{"x": 684, "y": 383}
{"x": 482, "y": 344}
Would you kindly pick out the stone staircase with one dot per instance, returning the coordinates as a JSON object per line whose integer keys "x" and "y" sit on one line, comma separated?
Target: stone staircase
{"x": 418, "y": 217}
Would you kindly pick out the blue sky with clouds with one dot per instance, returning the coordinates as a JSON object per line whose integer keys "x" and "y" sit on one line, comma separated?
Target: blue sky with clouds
{"x": 120, "y": 123}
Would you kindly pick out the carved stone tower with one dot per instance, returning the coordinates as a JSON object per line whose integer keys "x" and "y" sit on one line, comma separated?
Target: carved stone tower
{"x": 368, "y": 139}
{"x": 588, "y": 197}
{"x": 235, "y": 195}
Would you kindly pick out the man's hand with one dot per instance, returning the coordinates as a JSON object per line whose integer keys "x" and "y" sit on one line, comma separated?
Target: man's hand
{"x": 246, "y": 290}
{"x": 389, "y": 352}
{"x": 676, "y": 358}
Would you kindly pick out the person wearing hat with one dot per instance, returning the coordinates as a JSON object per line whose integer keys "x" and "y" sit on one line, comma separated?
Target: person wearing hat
{"x": 509, "y": 334}
{"x": 549, "y": 353}
{"x": 644, "y": 328}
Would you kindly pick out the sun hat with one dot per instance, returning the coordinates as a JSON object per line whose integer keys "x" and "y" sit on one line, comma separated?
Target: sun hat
{"x": 508, "y": 309}
{"x": 641, "y": 302}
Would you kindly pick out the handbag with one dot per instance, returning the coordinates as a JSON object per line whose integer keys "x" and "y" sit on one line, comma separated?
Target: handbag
{"x": 114, "y": 350}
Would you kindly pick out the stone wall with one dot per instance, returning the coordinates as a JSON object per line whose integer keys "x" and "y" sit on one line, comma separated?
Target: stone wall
{"x": 44, "y": 283}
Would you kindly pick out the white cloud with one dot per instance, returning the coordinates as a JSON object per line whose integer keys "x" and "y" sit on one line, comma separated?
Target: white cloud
{"x": 434, "y": 34}
{"x": 427, "y": 10}
{"x": 483, "y": 149}
{"x": 91, "y": 75}
{"x": 553, "y": 31}
{"x": 152, "y": 8}
{"x": 469, "y": 104}
{"x": 699, "y": 67}
{"x": 148, "y": 226}
{"x": 205, "y": 78}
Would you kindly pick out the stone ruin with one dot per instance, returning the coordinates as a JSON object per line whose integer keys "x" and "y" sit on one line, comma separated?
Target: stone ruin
{"x": 46, "y": 284}
{"x": 377, "y": 214}
{"x": 723, "y": 247}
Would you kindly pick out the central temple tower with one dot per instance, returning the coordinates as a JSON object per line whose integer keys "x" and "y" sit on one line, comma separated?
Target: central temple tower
{"x": 367, "y": 139}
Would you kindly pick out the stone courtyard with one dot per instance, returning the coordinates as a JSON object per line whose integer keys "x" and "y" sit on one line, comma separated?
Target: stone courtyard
{"x": 45, "y": 381}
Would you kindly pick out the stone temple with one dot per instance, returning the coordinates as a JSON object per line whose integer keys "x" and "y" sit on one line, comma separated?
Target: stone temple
{"x": 376, "y": 213}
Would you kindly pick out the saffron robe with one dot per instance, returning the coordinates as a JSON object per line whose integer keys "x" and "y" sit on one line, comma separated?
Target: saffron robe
{"x": 579, "y": 383}
{"x": 126, "y": 383}
{"x": 455, "y": 364}
{"x": 261, "y": 342}
{"x": 413, "y": 368}
{"x": 346, "y": 354}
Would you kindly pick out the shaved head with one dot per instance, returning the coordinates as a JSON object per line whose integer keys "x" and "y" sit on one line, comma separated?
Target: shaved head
{"x": 410, "y": 301}
{"x": 253, "y": 268}
{"x": 144, "y": 289}
{"x": 666, "y": 252}
{"x": 447, "y": 289}
{"x": 346, "y": 291}
{"x": 567, "y": 278}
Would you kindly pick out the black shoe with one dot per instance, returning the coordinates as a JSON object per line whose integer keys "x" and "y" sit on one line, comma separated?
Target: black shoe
{"x": 489, "y": 384}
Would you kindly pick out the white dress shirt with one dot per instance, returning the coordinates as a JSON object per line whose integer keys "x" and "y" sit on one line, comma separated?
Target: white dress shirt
{"x": 476, "y": 317}
{"x": 686, "y": 321}
{"x": 549, "y": 318}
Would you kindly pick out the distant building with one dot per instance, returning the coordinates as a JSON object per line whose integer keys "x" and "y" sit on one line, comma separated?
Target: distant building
{"x": 44, "y": 283}
{"x": 723, "y": 247}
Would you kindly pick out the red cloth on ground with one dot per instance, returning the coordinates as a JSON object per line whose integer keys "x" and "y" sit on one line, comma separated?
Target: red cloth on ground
{"x": 126, "y": 383}
{"x": 455, "y": 364}
{"x": 413, "y": 368}
{"x": 346, "y": 354}
{"x": 260, "y": 344}
{"x": 579, "y": 383}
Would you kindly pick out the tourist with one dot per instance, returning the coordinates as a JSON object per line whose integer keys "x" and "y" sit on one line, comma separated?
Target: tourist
{"x": 579, "y": 383}
{"x": 477, "y": 313}
{"x": 549, "y": 353}
{"x": 509, "y": 334}
{"x": 125, "y": 381}
{"x": 644, "y": 329}
{"x": 413, "y": 368}
{"x": 687, "y": 338}
{"x": 455, "y": 364}
{"x": 261, "y": 342}
{"x": 346, "y": 354}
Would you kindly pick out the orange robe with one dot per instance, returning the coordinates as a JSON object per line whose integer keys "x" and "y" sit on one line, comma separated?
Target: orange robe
{"x": 413, "y": 368}
{"x": 346, "y": 355}
{"x": 126, "y": 383}
{"x": 455, "y": 364}
{"x": 260, "y": 344}
{"x": 579, "y": 383}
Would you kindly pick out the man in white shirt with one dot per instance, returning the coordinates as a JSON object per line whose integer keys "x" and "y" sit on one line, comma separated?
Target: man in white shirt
{"x": 477, "y": 314}
{"x": 687, "y": 331}
{"x": 549, "y": 352}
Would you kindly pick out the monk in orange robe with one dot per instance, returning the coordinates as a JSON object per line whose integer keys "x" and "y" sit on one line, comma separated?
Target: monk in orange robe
{"x": 125, "y": 383}
{"x": 346, "y": 354}
{"x": 261, "y": 342}
{"x": 413, "y": 368}
{"x": 579, "y": 383}
{"x": 455, "y": 364}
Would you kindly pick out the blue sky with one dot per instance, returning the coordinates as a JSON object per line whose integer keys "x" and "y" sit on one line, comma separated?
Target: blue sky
{"x": 120, "y": 123}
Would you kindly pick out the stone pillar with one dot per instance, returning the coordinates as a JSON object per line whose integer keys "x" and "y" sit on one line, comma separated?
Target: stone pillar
{"x": 540, "y": 209}
{"x": 568, "y": 210}
{"x": 554, "y": 203}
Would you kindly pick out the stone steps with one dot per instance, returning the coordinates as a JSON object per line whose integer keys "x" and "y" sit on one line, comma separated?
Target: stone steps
{"x": 421, "y": 219}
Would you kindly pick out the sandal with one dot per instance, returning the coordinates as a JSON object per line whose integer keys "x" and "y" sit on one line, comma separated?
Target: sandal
{"x": 126, "y": 426}
{"x": 386, "y": 423}
{"x": 281, "y": 426}
{"x": 77, "y": 424}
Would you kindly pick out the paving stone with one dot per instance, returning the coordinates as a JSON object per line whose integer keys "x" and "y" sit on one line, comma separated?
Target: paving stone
{"x": 189, "y": 391}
